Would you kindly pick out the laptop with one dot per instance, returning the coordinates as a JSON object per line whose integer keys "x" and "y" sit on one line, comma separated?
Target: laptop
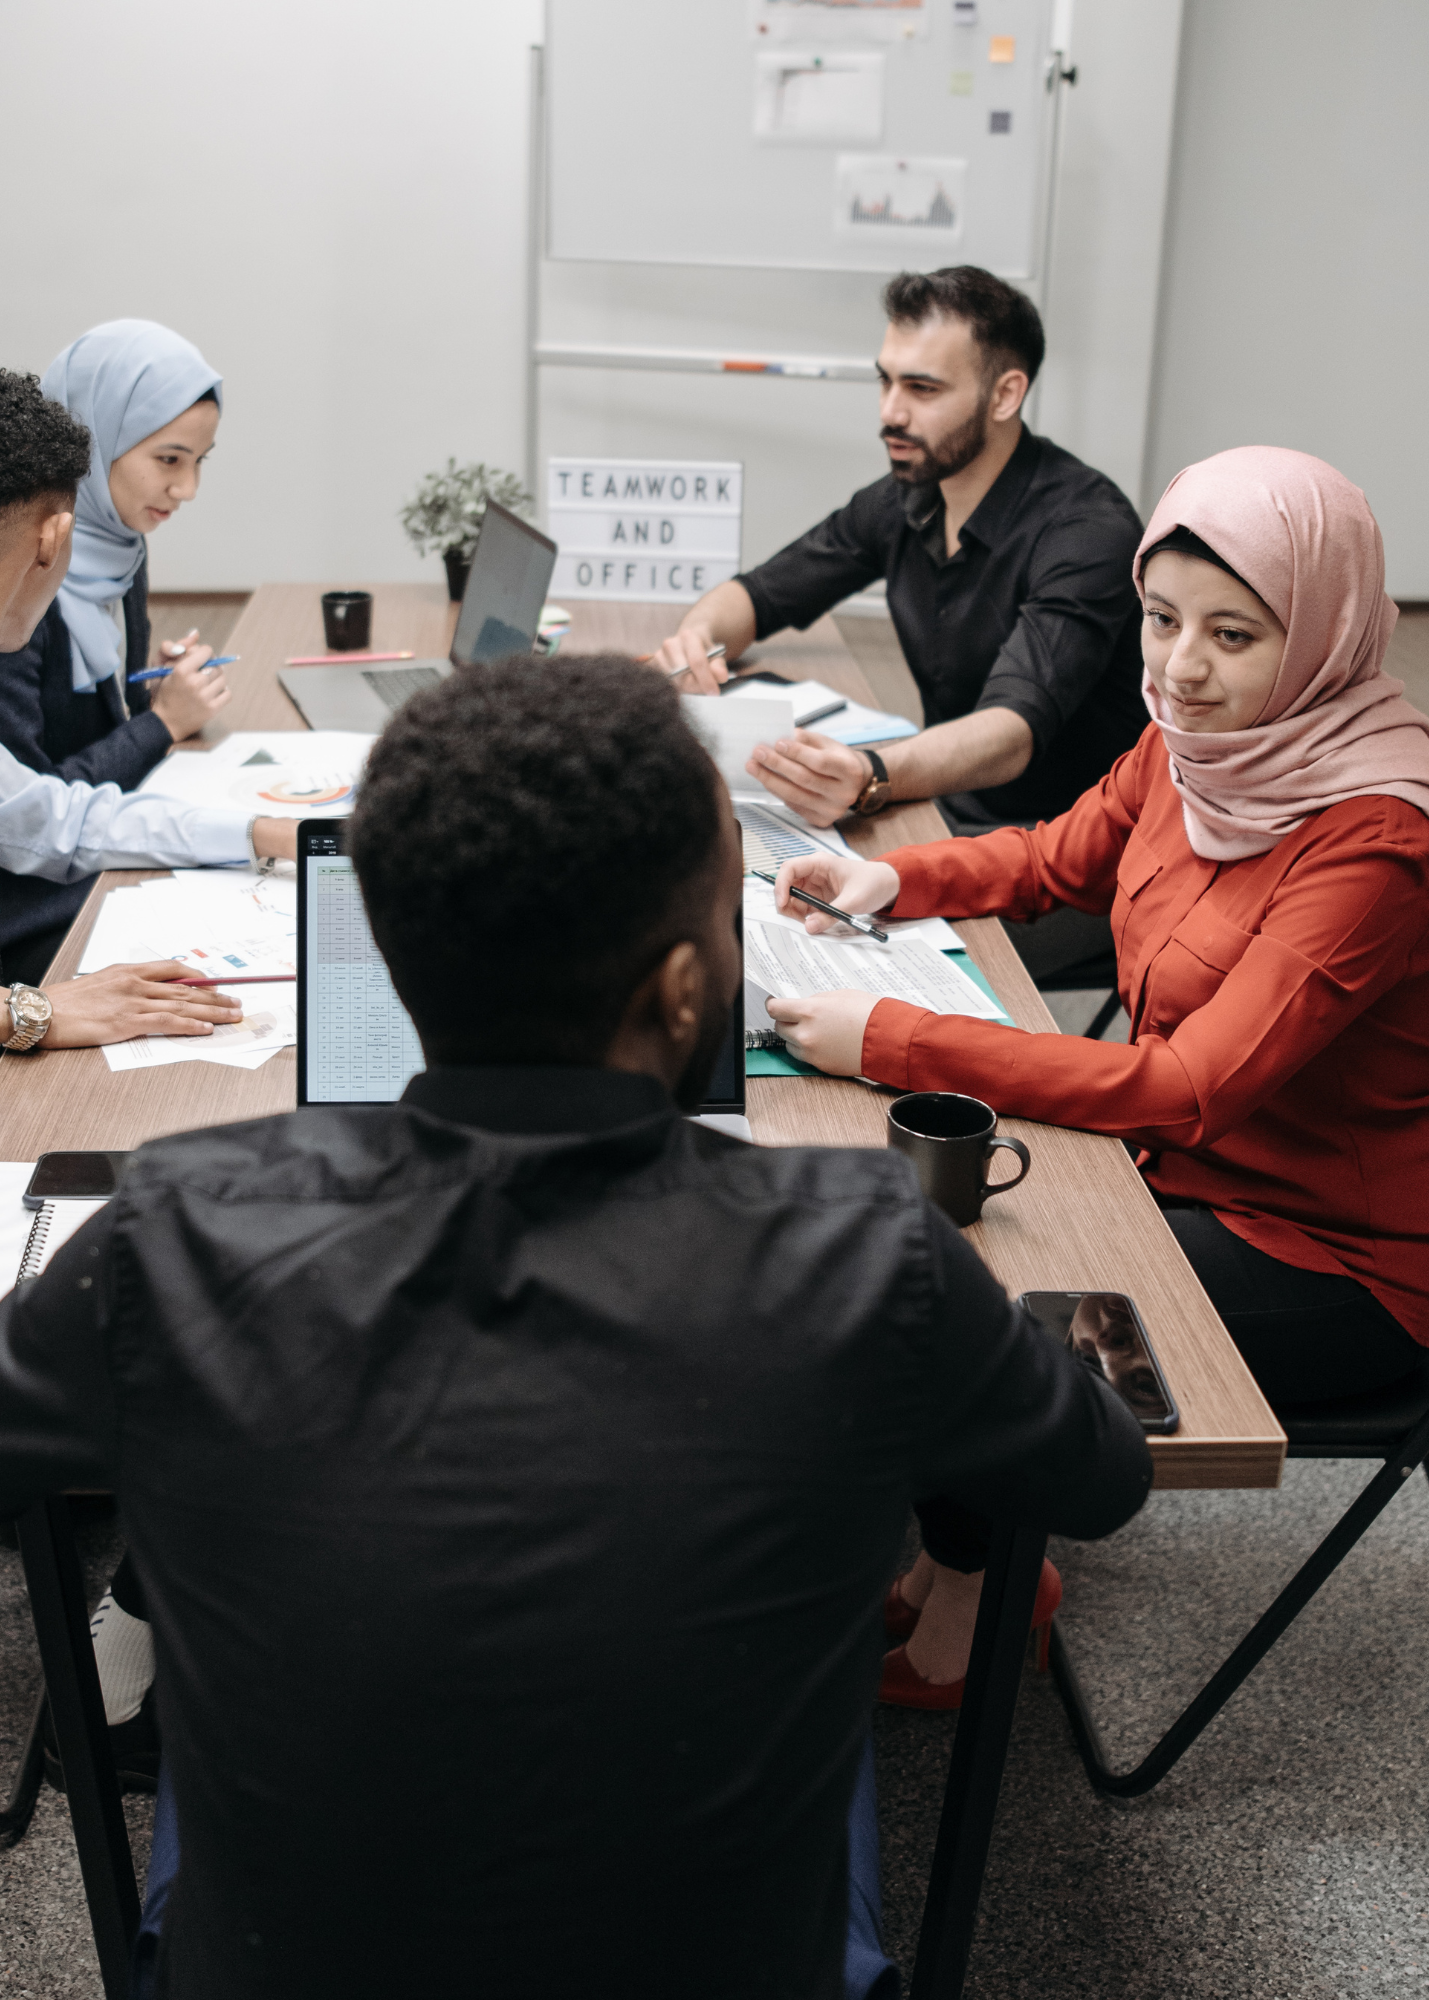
{"x": 500, "y": 611}
{"x": 356, "y": 1042}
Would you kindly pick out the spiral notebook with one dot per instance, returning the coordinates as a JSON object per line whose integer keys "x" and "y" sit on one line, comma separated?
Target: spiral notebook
{"x": 30, "y": 1237}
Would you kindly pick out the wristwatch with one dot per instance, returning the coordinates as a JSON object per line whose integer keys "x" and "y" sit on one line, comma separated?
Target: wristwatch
{"x": 30, "y": 1017}
{"x": 874, "y": 795}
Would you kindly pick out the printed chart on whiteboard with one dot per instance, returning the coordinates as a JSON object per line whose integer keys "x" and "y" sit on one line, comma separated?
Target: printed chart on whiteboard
{"x": 919, "y": 199}
{"x": 830, "y": 20}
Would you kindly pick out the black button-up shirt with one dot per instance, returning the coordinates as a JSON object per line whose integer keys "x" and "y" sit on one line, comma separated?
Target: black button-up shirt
{"x": 514, "y": 1475}
{"x": 1036, "y": 612}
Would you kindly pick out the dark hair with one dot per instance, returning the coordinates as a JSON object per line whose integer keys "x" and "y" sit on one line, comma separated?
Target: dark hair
{"x": 208, "y": 396}
{"x": 1182, "y": 542}
{"x": 529, "y": 838}
{"x": 42, "y": 448}
{"x": 1005, "y": 323}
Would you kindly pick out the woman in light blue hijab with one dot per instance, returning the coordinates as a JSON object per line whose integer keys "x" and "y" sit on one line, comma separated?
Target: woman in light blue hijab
{"x": 125, "y": 381}
{"x": 68, "y": 708}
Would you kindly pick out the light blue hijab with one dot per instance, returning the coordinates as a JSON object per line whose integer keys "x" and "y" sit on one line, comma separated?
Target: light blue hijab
{"x": 123, "y": 381}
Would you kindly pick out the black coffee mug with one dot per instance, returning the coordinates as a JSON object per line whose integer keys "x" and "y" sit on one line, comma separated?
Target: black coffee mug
{"x": 347, "y": 620}
{"x": 950, "y": 1140}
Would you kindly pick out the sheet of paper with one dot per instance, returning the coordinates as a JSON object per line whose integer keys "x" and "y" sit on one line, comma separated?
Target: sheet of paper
{"x": 852, "y": 725}
{"x": 774, "y": 832}
{"x": 295, "y": 773}
{"x": 215, "y": 921}
{"x": 789, "y": 963}
{"x": 729, "y": 730}
{"x": 919, "y": 200}
{"x": 270, "y": 1023}
{"x": 827, "y": 96}
{"x": 759, "y": 908}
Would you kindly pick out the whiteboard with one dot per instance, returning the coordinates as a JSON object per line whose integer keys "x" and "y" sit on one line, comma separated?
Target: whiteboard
{"x": 858, "y": 136}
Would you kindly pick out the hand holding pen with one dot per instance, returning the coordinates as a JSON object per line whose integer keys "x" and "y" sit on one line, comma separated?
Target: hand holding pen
{"x": 188, "y": 687}
{"x": 837, "y": 888}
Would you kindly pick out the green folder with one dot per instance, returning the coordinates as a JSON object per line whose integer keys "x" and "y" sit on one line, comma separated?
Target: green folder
{"x": 774, "y": 1062}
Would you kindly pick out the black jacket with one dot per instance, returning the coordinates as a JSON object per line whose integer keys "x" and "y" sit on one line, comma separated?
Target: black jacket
{"x": 61, "y": 734}
{"x": 1035, "y": 611}
{"x": 514, "y": 1475}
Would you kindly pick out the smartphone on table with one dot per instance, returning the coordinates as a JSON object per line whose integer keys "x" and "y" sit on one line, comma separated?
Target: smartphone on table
{"x": 73, "y": 1177}
{"x": 1106, "y": 1332}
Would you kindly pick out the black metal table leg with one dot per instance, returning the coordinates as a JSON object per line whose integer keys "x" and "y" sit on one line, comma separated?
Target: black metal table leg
{"x": 56, "y": 1587}
{"x": 1352, "y": 1524}
{"x": 1004, "y": 1620}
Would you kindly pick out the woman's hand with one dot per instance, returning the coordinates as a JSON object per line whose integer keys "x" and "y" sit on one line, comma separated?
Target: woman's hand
{"x": 826, "y": 1029}
{"x": 860, "y": 887}
{"x": 192, "y": 694}
{"x": 128, "y": 1000}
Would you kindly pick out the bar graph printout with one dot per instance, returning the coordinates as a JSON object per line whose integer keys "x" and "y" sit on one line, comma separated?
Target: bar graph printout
{"x": 361, "y": 1045}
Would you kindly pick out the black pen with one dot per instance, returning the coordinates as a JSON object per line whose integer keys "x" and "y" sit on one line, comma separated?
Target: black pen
{"x": 864, "y": 924}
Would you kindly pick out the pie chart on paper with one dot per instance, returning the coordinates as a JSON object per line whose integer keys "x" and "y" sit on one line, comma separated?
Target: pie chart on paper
{"x": 297, "y": 788}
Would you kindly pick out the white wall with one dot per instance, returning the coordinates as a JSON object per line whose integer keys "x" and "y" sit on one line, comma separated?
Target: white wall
{"x": 1296, "y": 295}
{"x": 327, "y": 196}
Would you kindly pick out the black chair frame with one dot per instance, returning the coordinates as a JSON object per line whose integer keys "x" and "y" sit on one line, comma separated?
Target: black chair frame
{"x": 1393, "y": 1427}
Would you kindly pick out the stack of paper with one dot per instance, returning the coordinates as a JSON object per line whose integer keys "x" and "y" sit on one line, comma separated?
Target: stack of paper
{"x": 288, "y": 773}
{"x": 216, "y": 921}
{"x": 851, "y": 724}
{"x": 783, "y": 959}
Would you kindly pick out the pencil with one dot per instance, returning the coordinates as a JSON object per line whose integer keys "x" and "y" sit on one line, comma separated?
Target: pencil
{"x": 341, "y": 659}
{"x": 864, "y": 924}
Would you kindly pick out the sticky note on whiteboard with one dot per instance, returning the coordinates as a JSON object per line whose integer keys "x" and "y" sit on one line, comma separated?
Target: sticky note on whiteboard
{"x": 1002, "y": 48}
{"x": 964, "y": 13}
{"x": 960, "y": 83}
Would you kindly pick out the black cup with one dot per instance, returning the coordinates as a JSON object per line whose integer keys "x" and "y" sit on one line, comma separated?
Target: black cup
{"x": 347, "y": 620}
{"x": 950, "y": 1140}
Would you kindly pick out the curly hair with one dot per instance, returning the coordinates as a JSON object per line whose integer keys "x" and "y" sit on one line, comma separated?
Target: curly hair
{"x": 42, "y": 449}
{"x": 1005, "y": 323}
{"x": 530, "y": 837}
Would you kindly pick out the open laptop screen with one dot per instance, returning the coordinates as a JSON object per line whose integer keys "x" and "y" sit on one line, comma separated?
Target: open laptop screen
{"x": 356, "y": 1042}
{"x": 501, "y": 606}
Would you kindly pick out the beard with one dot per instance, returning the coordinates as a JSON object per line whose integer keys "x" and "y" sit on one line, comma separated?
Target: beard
{"x": 690, "y": 1092}
{"x": 954, "y": 454}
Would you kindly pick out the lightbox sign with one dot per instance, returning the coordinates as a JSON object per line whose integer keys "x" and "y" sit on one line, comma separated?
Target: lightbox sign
{"x": 653, "y": 529}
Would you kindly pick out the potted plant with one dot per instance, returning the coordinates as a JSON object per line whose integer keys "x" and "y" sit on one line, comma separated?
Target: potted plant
{"x": 446, "y": 513}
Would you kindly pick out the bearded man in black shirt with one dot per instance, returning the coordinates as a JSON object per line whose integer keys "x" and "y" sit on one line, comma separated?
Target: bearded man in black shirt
{"x": 1008, "y": 567}
{"x": 514, "y": 1473}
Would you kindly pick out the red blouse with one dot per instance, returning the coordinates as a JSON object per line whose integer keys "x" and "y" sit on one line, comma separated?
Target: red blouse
{"x": 1278, "y": 1068}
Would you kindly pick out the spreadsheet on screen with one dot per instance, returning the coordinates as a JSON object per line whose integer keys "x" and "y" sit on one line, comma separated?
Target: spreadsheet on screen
{"x": 361, "y": 1045}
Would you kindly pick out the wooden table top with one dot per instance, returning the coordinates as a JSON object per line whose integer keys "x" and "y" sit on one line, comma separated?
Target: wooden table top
{"x": 1081, "y": 1220}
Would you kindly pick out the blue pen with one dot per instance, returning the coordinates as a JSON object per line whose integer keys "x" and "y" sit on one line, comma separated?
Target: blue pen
{"x": 161, "y": 673}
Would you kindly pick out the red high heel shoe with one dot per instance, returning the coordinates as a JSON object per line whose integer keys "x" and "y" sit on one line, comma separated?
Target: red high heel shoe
{"x": 899, "y": 1616}
{"x": 902, "y": 1686}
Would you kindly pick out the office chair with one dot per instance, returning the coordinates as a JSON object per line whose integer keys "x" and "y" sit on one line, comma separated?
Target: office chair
{"x": 1392, "y": 1425}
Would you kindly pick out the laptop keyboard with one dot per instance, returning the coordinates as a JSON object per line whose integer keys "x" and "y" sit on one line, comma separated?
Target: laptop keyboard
{"x": 394, "y": 686}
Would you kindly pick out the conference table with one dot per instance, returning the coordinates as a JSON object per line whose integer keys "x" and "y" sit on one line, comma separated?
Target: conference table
{"x": 1082, "y": 1220}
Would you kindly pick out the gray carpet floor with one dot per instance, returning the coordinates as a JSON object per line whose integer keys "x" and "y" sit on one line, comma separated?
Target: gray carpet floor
{"x": 1286, "y": 1858}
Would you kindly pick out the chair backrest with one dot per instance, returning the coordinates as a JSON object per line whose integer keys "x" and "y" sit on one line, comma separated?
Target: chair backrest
{"x": 1365, "y": 1427}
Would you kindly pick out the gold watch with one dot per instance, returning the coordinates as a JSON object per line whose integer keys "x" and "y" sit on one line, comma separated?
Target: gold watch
{"x": 875, "y": 793}
{"x": 30, "y": 1017}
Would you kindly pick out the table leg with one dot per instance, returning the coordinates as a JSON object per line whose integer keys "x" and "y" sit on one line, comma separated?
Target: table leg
{"x": 56, "y": 1587}
{"x": 1004, "y": 1620}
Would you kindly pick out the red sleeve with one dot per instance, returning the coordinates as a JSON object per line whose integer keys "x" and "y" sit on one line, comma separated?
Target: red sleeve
{"x": 1337, "y": 934}
{"x": 1016, "y": 873}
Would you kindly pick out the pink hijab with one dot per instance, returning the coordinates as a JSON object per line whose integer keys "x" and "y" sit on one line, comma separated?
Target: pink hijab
{"x": 1336, "y": 726}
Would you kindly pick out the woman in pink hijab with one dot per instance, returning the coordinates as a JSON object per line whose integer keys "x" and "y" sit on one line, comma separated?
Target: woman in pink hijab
{"x": 1264, "y": 855}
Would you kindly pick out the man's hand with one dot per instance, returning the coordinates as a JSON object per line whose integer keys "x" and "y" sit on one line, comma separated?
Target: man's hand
{"x": 819, "y": 778}
{"x": 128, "y": 1000}
{"x": 860, "y": 887}
{"x": 275, "y": 839}
{"x": 192, "y": 695}
{"x": 687, "y": 648}
{"x": 825, "y": 1029}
